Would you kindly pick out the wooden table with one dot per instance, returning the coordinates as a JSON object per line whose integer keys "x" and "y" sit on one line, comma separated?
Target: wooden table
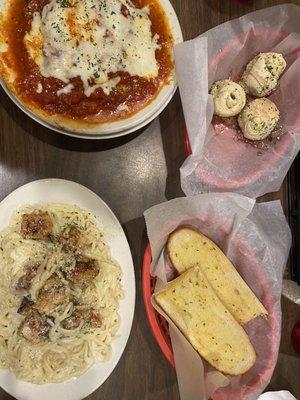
{"x": 130, "y": 174}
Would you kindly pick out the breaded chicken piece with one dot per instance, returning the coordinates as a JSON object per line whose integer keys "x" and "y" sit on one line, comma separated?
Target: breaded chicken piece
{"x": 72, "y": 239}
{"x": 25, "y": 307}
{"x": 35, "y": 327}
{"x": 84, "y": 271}
{"x": 53, "y": 297}
{"x": 87, "y": 316}
{"x": 24, "y": 282}
{"x": 36, "y": 225}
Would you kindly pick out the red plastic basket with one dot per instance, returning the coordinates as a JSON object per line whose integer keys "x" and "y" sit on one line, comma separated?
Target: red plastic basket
{"x": 158, "y": 324}
{"x": 160, "y": 331}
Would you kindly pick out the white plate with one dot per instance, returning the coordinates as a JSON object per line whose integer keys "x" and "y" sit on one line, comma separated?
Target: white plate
{"x": 58, "y": 190}
{"x": 128, "y": 125}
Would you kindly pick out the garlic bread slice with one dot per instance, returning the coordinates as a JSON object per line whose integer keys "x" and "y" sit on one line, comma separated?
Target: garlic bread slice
{"x": 187, "y": 247}
{"x": 196, "y": 310}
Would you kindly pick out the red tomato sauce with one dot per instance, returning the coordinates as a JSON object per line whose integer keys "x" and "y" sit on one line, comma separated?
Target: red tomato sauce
{"x": 134, "y": 91}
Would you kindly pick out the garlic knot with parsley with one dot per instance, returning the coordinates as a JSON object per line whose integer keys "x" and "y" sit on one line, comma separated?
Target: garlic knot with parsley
{"x": 258, "y": 119}
{"x": 229, "y": 98}
{"x": 262, "y": 73}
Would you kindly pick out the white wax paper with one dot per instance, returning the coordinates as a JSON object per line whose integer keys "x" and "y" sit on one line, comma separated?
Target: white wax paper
{"x": 257, "y": 240}
{"x": 281, "y": 395}
{"x": 220, "y": 162}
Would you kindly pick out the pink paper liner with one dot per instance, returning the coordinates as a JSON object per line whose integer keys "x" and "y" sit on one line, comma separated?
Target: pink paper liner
{"x": 282, "y": 146}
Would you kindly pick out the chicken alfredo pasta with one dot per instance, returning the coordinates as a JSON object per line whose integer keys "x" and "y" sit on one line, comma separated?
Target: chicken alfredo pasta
{"x": 59, "y": 294}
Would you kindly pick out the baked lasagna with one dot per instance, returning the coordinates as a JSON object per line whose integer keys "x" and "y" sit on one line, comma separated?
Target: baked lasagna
{"x": 81, "y": 63}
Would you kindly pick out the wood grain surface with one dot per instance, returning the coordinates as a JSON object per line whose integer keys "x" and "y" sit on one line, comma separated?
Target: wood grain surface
{"x": 130, "y": 174}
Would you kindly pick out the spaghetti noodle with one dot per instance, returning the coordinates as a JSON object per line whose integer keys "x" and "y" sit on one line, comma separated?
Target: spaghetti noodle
{"x": 65, "y": 352}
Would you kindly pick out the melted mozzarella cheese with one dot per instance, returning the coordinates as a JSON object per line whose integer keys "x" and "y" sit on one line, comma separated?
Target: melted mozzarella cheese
{"x": 66, "y": 89}
{"x": 91, "y": 39}
{"x": 3, "y": 47}
{"x": 3, "y": 6}
{"x": 39, "y": 88}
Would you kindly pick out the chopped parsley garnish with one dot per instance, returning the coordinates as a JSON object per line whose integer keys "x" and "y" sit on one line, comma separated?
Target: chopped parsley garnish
{"x": 64, "y": 3}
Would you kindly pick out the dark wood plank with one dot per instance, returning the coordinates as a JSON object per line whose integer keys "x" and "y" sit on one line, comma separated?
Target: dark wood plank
{"x": 130, "y": 174}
